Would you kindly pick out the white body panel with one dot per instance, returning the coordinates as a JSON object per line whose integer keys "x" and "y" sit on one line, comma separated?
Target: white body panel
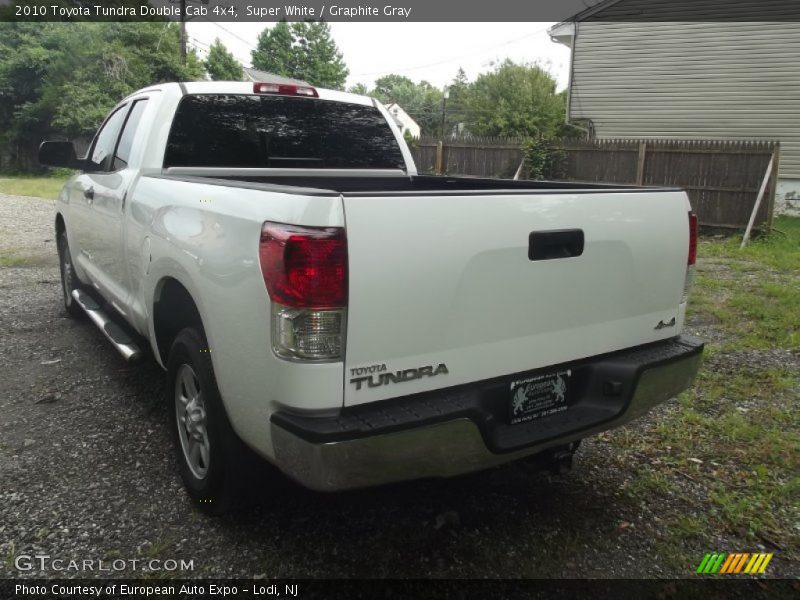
{"x": 206, "y": 236}
{"x": 447, "y": 280}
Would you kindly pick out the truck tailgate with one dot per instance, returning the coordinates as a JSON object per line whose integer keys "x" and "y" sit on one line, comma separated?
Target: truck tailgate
{"x": 447, "y": 280}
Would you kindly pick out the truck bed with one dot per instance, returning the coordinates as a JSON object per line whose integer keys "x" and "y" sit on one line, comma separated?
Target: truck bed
{"x": 388, "y": 182}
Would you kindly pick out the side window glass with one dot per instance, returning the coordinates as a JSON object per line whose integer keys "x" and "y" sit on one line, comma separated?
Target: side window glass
{"x": 128, "y": 133}
{"x": 105, "y": 141}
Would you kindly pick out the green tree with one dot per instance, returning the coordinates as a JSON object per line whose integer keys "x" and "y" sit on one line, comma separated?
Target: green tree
{"x": 321, "y": 61}
{"x": 457, "y": 115}
{"x": 422, "y": 101}
{"x": 393, "y": 88}
{"x": 61, "y": 79}
{"x": 359, "y": 88}
{"x": 542, "y": 160}
{"x": 275, "y": 51}
{"x": 514, "y": 100}
{"x": 304, "y": 51}
{"x": 221, "y": 65}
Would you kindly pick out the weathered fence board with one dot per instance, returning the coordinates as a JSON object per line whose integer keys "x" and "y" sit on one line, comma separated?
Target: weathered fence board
{"x": 722, "y": 178}
{"x": 484, "y": 157}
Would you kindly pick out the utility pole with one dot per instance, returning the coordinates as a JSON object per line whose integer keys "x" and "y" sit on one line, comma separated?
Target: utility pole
{"x": 445, "y": 96}
{"x": 183, "y": 32}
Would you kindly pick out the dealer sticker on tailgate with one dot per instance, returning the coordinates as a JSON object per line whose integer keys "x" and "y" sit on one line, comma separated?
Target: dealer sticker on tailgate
{"x": 539, "y": 396}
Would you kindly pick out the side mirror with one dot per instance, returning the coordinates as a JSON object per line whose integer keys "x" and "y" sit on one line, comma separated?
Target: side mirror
{"x": 59, "y": 154}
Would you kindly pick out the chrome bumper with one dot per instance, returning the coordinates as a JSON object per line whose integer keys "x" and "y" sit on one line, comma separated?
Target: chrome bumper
{"x": 452, "y": 447}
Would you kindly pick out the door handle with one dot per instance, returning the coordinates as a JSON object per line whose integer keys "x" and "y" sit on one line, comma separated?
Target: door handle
{"x": 89, "y": 194}
{"x": 550, "y": 245}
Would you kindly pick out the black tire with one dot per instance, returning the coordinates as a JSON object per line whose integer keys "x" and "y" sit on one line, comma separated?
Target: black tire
{"x": 219, "y": 488}
{"x": 69, "y": 280}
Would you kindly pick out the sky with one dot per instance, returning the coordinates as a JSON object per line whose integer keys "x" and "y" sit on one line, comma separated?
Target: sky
{"x": 429, "y": 51}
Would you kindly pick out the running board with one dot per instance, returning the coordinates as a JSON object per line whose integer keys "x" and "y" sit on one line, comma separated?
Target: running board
{"x": 115, "y": 334}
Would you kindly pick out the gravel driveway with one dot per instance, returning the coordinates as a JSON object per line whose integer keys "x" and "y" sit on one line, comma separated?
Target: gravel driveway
{"x": 87, "y": 473}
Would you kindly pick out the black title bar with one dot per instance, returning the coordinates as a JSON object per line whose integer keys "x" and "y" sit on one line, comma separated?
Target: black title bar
{"x": 353, "y": 589}
{"x": 399, "y": 10}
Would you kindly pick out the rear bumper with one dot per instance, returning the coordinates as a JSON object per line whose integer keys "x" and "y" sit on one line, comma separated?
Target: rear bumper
{"x": 466, "y": 428}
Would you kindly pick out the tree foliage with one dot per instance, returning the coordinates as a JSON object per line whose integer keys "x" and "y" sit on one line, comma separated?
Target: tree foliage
{"x": 359, "y": 88}
{"x": 542, "y": 159}
{"x": 457, "y": 113}
{"x": 61, "y": 79}
{"x": 302, "y": 50}
{"x": 514, "y": 100}
{"x": 422, "y": 101}
{"x": 221, "y": 65}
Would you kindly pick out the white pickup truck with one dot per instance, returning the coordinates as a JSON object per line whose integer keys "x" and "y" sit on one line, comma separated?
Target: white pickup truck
{"x": 314, "y": 300}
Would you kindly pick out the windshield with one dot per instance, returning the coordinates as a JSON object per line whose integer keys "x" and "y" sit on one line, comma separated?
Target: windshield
{"x": 279, "y": 132}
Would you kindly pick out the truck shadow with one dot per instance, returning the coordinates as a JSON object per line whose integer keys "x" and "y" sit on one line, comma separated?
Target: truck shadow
{"x": 437, "y": 527}
{"x": 496, "y": 519}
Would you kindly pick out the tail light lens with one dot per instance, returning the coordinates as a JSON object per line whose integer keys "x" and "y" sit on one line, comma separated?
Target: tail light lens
{"x": 692, "y": 238}
{"x": 306, "y": 334}
{"x": 305, "y": 271}
{"x": 692, "y": 258}
{"x": 304, "y": 267}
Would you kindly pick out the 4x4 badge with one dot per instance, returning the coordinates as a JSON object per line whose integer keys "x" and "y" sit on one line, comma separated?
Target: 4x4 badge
{"x": 662, "y": 325}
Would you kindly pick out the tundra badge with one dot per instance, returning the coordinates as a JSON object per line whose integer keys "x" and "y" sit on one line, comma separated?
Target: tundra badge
{"x": 383, "y": 377}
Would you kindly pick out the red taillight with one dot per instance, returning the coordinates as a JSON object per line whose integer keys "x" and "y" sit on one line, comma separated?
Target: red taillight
{"x": 284, "y": 89}
{"x": 692, "y": 239}
{"x": 304, "y": 267}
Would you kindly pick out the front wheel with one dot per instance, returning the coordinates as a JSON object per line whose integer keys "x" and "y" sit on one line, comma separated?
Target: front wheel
{"x": 69, "y": 281}
{"x": 211, "y": 457}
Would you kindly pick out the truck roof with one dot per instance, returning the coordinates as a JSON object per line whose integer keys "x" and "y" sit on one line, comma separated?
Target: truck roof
{"x": 246, "y": 87}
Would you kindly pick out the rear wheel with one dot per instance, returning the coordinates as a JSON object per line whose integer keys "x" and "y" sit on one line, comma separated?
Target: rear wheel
{"x": 69, "y": 281}
{"x": 212, "y": 460}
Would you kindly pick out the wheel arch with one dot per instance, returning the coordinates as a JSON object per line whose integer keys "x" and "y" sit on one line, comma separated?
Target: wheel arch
{"x": 60, "y": 224}
{"x": 174, "y": 308}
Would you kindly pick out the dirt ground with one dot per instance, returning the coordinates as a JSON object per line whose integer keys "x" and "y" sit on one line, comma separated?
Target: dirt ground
{"x": 87, "y": 471}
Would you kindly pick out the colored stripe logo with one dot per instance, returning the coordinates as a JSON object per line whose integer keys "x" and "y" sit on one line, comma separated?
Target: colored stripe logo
{"x": 734, "y": 563}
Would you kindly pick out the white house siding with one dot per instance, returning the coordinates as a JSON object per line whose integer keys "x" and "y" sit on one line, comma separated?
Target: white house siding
{"x": 714, "y": 80}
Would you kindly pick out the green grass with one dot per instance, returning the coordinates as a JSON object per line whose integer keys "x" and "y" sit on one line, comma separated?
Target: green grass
{"x": 11, "y": 555}
{"x": 734, "y": 437}
{"x": 40, "y": 187}
{"x": 753, "y": 294}
{"x": 779, "y": 250}
{"x": 12, "y": 259}
{"x": 157, "y": 548}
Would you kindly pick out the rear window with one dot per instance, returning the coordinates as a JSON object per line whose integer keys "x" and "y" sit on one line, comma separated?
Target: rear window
{"x": 279, "y": 132}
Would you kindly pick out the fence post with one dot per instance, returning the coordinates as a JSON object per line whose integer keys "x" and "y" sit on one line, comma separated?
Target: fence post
{"x": 640, "y": 163}
{"x": 767, "y": 177}
{"x": 440, "y": 157}
{"x": 773, "y": 183}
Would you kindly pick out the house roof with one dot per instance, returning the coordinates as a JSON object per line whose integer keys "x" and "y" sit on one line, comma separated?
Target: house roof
{"x": 588, "y": 12}
{"x": 707, "y": 11}
{"x": 563, "y": 32}
{"x": 258, "y": 75}
{"x": 393, "y": 107}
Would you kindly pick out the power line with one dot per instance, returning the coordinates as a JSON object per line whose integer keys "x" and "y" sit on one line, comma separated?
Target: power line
{"x": 194, "y": 40}
{"x": 455, "y": 58}
{"x": 238, "y": 37}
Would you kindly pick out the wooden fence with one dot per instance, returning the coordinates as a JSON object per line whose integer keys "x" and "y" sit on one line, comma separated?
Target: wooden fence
{"x": 722, "y": 178}
{"x": 481, "y": 156}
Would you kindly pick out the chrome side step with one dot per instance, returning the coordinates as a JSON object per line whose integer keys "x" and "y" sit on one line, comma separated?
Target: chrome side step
{"x": 124, "y": 343}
